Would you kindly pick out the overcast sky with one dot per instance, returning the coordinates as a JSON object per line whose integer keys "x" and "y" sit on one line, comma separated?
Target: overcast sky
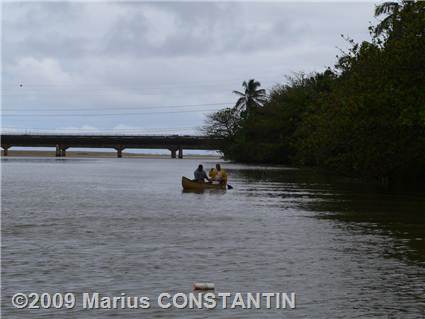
{"x": 157, "y": 67}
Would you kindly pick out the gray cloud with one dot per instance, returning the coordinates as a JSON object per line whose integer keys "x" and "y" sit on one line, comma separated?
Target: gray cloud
{"x": 73, "y": 54}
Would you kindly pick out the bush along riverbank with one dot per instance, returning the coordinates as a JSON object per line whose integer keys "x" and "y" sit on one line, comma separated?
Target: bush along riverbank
{"x": 364, "y": 117}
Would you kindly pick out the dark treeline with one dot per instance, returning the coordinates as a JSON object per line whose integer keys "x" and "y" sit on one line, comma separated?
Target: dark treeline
{"x": 364, "y": 117}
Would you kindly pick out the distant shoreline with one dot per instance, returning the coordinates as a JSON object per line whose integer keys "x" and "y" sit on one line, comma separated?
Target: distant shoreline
{"x": 93, "y": 154}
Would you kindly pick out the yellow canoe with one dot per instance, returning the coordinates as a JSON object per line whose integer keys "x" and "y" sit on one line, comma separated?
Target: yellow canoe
{"x": 191, "y": 185}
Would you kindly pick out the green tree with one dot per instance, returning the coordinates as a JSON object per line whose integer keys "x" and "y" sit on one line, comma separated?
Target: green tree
{"x": 224, "y": 123}
{"x": 251, "y": 97}
{"x": 392, "y": 10}
{"x": 364, "y": 118}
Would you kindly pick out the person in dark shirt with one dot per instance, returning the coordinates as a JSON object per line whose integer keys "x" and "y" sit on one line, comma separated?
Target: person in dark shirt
{"x": 200, "y": 174}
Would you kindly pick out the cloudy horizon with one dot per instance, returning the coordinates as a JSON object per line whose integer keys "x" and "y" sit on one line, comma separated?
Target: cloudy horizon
{"x": 157, "y": 67}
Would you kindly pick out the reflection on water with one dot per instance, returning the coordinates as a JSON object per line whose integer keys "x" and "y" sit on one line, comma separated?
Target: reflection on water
{"x": 399, "y": 212}
{"x": 125, "y": 225}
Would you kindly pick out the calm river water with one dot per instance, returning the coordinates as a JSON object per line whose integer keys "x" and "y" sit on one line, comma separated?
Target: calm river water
{"x": 348, "y": 250}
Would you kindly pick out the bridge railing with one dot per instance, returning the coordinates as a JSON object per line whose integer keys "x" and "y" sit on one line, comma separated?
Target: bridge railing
{"x": 96, "y": 133}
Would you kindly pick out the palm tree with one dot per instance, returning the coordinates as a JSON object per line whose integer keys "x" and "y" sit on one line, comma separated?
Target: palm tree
{"x": 391, "y": 9}
{"x": 252, "y": 96}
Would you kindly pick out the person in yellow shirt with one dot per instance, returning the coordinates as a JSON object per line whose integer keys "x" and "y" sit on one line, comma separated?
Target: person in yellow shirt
{"x": 218, "y": 175}
{"x": 212, "y": 173}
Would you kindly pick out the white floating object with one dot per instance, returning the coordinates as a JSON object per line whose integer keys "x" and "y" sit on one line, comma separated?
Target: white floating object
{"x": 203, "y": 286}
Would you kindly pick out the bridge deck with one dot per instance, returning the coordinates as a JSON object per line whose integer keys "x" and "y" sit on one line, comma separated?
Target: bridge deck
{"x": 118, "y": 142}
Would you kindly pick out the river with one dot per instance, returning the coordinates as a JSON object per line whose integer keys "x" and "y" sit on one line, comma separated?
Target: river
{"x": 346, "y": 248}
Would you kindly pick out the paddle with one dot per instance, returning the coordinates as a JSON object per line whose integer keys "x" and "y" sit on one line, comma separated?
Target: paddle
{"x": 229, "y": 186}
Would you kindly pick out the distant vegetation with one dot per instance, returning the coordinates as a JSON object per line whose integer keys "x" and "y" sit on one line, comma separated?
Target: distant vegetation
{"x": 364, "y": 117}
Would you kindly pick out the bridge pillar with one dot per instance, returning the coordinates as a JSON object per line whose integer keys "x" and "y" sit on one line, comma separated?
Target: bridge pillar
{"x": 119, "y": 149}
{"x": 173, "y": 153}
{"x": 5, "y": 150}
{"x": 63, "y": 151}
{"x": 180, "y": 152}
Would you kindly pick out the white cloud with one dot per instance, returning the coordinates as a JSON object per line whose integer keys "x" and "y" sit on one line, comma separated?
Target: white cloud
{"x": 45, "y": 70}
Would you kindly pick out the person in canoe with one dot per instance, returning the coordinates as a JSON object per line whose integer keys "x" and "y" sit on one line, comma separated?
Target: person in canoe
{"x": 218, "y": 174}
{"x": 212, "y": 173}
{"x": 200, "y": 175}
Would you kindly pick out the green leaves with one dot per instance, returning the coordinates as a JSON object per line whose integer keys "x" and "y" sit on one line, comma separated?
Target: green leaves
{"x": 251, "y": 98}
{"x": 365, "y": 118}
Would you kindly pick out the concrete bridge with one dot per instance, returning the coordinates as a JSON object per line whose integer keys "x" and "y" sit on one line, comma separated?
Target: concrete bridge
{"x": 174, "y": 143}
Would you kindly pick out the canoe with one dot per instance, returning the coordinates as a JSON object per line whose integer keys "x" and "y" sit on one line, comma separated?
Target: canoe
{"x": 191, "y": 185}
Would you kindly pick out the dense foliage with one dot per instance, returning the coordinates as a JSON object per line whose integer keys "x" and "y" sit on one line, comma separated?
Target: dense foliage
{"x": 364, "y": 117}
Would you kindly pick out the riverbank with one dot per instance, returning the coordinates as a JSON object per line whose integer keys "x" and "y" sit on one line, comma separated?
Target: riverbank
{"x": 94, "y": 154}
